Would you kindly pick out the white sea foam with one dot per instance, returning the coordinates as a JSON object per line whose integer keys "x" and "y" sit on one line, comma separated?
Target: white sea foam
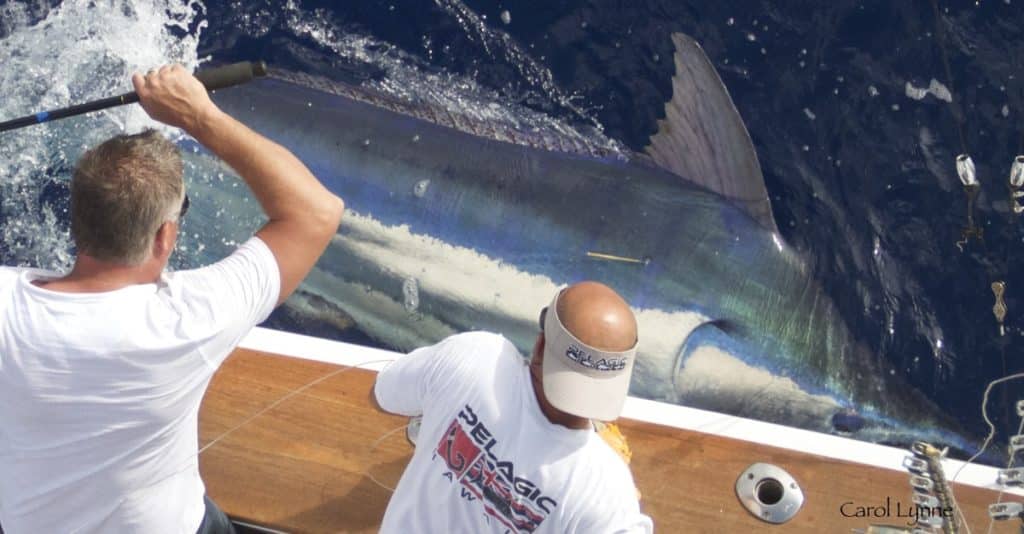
{"x": 407, "y": 78}
{"x": 81, "y": 50}
{"x": 55, "y": 57}
{"x": 935, "y": 88}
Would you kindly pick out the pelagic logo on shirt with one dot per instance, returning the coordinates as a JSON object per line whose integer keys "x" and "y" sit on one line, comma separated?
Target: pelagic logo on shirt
{"x": 515, "y": 502}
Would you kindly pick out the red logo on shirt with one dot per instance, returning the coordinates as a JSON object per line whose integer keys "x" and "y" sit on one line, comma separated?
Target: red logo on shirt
{"x": 457, "y": 449}
{"x": 514, "y": 501}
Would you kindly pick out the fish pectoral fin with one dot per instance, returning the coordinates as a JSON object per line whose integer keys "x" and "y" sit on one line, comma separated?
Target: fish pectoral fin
{"x": 703, "y": 139}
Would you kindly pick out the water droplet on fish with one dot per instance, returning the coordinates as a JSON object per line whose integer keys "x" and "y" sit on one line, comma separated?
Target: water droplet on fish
{"x": 411, "y": 295}
{"x": 506, "y": 17}
{"x": 656, "y": 58}
{"x": 730, "y": 22}
{"x": 420, "y": 189}
{"x": 366, "y": 142}
{"x": 872, "y": 91}
{"x": 751, "y": 37}
{"x": 416, "y": 138}
{"x": 583, "y": 25}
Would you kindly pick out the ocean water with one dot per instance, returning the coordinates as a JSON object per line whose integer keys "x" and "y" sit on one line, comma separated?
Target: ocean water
{"x": 857, "y": 111}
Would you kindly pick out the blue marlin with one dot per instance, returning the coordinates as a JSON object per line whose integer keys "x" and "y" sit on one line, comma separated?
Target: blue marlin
{"x": 454, "y": 226}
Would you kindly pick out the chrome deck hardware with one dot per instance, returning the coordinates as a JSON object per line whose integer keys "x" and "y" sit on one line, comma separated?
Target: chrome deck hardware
{"x": 935, "y": 507}
{"x": 769, "y": 493}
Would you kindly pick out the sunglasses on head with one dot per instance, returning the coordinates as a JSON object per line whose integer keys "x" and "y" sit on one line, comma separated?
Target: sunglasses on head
{"x": 184, "y": 207}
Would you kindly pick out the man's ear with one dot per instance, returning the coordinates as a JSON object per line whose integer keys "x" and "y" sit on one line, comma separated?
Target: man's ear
{"x": 163, "y": 242}
{"x": 538, "y": 350}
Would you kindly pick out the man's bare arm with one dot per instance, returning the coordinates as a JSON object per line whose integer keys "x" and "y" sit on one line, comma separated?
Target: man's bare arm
{"x": 303, "y": 214}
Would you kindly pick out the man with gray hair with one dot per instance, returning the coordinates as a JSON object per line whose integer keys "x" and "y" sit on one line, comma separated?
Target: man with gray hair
{"x": 103, "y": 368}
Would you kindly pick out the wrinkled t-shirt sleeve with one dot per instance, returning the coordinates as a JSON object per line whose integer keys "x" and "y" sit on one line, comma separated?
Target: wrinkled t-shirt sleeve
{"x": 616, "y": 510}
{"x": 8, "y": 276}
{"x": 621, "y": 520}
{"x": 632, "y": 523}
{"x": 408, "y": 384}
{"x": 233, "y": 295}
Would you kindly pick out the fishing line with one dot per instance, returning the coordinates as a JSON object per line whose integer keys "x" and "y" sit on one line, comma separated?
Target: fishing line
{"x": 1002, "y": 488}
{"x": 991, "y": 426}
{"x": 984, "y": 446}
{"x": 374, "y": 446}
{"x": 959, "y": 510}
{"x": 286, "y": 397}
{"x": 265, "y": 410}
{"x": 295, "y": 392}
{"x": 990, "y": 269}
{"x": 940, "y": 35}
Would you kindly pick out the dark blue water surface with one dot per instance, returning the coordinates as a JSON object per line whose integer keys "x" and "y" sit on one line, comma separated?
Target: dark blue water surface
{"x": 861, "y": 176}
{"x": 871, "y": 166}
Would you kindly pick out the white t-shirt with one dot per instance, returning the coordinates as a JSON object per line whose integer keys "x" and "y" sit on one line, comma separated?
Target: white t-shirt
{"x": 100, "y": 393}
{"x": 487, "y": 460}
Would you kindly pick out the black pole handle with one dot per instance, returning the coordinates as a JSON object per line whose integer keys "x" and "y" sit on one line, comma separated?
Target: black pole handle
{"x": 212, "y": 79}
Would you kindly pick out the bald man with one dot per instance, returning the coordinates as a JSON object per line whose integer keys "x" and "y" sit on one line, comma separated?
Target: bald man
{"x": 507, "y": 446}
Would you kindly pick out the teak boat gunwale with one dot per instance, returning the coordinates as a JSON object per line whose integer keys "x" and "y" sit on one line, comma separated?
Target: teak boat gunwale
{"x": 290, "y": 443}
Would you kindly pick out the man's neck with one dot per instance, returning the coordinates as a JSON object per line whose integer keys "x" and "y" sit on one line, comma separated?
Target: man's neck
{"x": 554, "y": 415}
{"x": 90, "y": 275}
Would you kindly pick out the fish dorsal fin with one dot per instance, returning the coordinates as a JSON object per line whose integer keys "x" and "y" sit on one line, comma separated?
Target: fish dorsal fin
{"x": 703, "y": 139}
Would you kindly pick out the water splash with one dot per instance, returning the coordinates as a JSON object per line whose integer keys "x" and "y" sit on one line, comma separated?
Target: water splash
{"x": 420, "y": 189}
{"x": 54, "y": 56}
{"x": 501, "y": 47}
{"x": 410, "y": 79}
{"x": 411, "y": 294}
